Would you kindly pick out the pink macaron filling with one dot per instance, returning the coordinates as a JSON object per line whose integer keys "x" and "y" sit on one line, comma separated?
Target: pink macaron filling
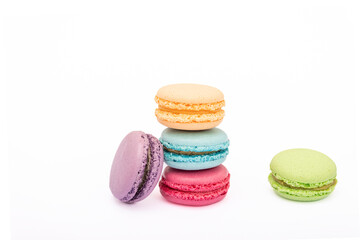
{"x": 195, "y": 196}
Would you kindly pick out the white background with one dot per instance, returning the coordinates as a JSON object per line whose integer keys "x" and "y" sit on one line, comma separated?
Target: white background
{"x": 82, "y": 74}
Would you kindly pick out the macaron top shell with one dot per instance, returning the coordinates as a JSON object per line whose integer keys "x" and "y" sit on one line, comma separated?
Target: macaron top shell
{"x": 131, "y": 155}
{"x": 201, "y": 177}
{"x": 197, "y": 141}
{"x": 190, "y": 93}
{"x": 303, "y": 165}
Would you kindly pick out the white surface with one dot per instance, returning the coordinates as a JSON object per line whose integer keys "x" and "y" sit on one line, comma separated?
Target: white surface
{"x": 81, "y": 75}
{"x": 4, "y": 168}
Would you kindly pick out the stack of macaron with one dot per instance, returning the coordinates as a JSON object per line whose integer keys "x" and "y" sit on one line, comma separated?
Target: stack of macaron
{"x": 194, "y": 149}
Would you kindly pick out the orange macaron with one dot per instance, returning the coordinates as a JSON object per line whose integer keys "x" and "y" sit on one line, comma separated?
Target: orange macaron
{"x": 190, "y": 106}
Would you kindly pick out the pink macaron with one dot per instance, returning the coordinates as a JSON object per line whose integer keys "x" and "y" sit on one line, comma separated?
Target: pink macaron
{"x": 195, "y": 188}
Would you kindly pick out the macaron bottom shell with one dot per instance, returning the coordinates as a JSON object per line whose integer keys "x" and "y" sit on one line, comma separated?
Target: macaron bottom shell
{"x": 299, "y": 194}
{"x": 184, "y": 198}
{"x": 301, "y": 199}
{"x": 153, "y": 174}
{"x": 193, "y": 126}
{"x": 195, "y": 162}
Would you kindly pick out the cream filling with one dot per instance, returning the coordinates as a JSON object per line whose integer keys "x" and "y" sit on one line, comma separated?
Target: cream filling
{"x": 313, "y": 189}
{"x": 189, "y": 117}
{"x": 188, "y": 153}
{"x": 146, "y": 174}
{"x": 187, "y": 106}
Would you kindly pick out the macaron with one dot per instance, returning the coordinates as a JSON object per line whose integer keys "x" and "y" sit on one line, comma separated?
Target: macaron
{"x": 302, "y": 175}
{"x": 195, "y": 188}
{"x": 194, "y": 150}
{"x": 189, "y": 106}
{"x": 136, "y": 167}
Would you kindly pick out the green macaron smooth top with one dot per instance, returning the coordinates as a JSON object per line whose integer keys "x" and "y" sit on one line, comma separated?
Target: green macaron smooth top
{"x": 302, "y": 174}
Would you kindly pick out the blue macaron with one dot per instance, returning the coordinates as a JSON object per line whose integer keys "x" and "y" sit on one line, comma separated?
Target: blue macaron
{"x": 194, "y": 150}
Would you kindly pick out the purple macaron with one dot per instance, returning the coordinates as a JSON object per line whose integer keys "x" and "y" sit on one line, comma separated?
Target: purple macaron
{"x": 137, "y": 167}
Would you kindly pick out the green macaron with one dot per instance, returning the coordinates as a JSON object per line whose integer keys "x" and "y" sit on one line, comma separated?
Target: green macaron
{"x": 302, "y": 175}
